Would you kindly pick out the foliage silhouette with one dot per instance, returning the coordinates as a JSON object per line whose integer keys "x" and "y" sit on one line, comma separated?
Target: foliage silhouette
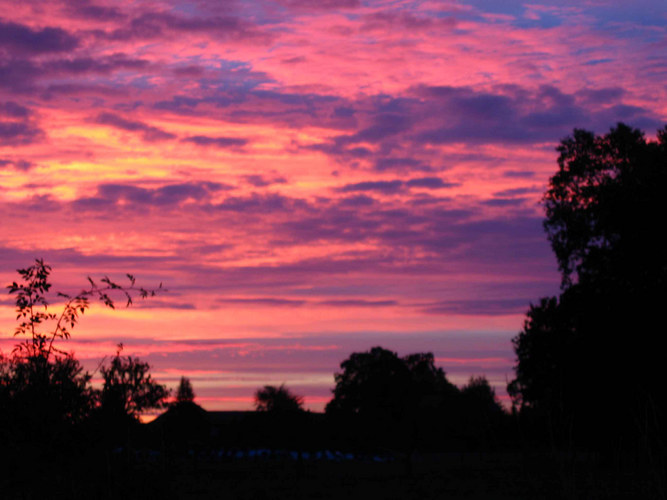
{"x": 32, "y": 307}
{"x": 602, "y": 206}
{"x": 277, "y": 400}
{"x": 185, "y": 393}
{"x": 48, "y": 409}
{"x": 378, "y": 383}
{"x": 129, "y": 389}
{"x": 42, "y": 386}
{"x": 407, "y": 402}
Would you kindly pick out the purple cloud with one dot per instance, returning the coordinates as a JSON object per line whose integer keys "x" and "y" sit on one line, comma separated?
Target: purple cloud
{"x": 14, "y": 133}
{"x": 21, "y": 39}
{"x": 483, "y": 307}
{"x": 308, "y": 5}
{"x": 14, "y": 110}
{"x": 148, "y": 132}
{"x": 151, "y": 25}
{"x": 219, "y": 142}
{"x": 430, "y": 183}
{"x": 262, "y": 301}
{"x": 22, "y": 165}
{"x": 88, "y": 10}
{"x": 168, "y": 195}
{"x": 263, "y": 181}
{"x": 386, "y": 187}
{"x": 358, "y": 303}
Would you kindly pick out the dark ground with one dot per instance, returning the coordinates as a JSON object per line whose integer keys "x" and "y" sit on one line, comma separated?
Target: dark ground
{"x": 453, "y": 476}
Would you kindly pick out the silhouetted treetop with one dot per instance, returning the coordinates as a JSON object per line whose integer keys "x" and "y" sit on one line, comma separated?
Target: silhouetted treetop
{"x": 129, "y": 389}
{"x": 379, "y": 382}
{"x": 598, "y": 339}
{"x": 277, "y": 400}
{"x": 185, "y": 393}
{"x": 602, "y": 204}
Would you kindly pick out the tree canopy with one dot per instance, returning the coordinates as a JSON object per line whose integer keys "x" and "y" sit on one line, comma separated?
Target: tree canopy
{"x": 129, "y": 389}
{"x": 185, "y": 393}
{"x": 592, "y": 355}
{"x": 380, "y": 383}
{"x": 280, "y": 399}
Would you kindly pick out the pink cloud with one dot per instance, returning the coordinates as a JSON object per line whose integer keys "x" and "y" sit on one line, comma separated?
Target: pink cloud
{"x": 307, "y": 180}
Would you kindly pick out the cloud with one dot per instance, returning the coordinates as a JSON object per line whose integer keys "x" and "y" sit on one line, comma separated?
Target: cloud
{"x": 386, "y": 187}
{"x": 22, "y": 165}
{"x": 517, "y": 191}
{"x": 103, "y": 65}
{"x": 430, "y": 183}
{"x": 308, "y": 5}
{"x": 219, "y": 142}
{"x": 499, "y": 201}
{"x": 89, "y": 10}
{"x": 519, "y": 174}
{"x": 158, "y": 24}
{"x": 17, "y": 127}
{"x": 16, "y": 133}
{"x": 148, "y": 132}
{"x": 400, "y": 20}
{"x": 21, "y": 75}
{"x": 358, "y": 303}
{"x": 396, "y": 185}
{"x": 263, "y": 181}
{"x": 14, "y": 110}
{"x": 127, "y": 195}
{"x": 21, "y": 39}
{"x": 262, "y": 301}
{"x": 400, "y": 164}
{"x": 269, "y": 203}
{"x": 356, "y": 201}
{"x": 485, "y": 307}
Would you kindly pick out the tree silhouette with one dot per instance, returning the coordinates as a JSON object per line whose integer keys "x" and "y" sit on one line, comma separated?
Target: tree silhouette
{"x": 129, "y": 389}
{"x": 380, "y": 383}
{"x": 480, "y": 396}
{"x": 48, "y": 407}
{"x": 32, "y": 307}
{"x": 43, "y": 387}
{"x": 185, "y": 393}
{"x": 578, "y": 352}
{"x": 277, "y": 400}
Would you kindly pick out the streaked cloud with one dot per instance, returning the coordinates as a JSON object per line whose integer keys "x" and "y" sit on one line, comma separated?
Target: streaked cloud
{"x": 307, "y": 178}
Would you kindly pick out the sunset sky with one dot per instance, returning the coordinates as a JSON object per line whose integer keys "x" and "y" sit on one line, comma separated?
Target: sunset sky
{"x": 307, "y": 178}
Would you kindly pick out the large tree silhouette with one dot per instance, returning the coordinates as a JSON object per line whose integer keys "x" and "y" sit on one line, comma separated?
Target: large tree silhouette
{"x": 590, "y": 360}
{"x": 401, "y": 401}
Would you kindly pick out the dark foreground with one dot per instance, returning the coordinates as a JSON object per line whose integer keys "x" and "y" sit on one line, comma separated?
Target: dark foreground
{"x": 488, "y": 475}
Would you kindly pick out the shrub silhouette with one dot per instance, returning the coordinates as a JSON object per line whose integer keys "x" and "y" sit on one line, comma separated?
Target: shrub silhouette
{"x": 48, "y": 407}
{"x": 43, "y": 387}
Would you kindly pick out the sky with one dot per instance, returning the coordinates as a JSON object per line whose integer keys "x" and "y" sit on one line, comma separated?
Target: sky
{"x": 307, "y": 179}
